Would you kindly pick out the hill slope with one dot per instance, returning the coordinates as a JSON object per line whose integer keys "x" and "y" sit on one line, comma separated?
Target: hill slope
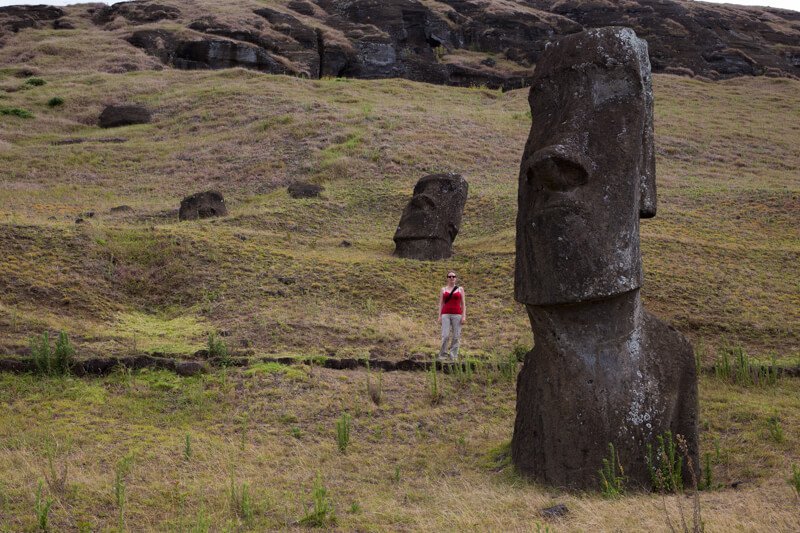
{"x": 720, "y": 259}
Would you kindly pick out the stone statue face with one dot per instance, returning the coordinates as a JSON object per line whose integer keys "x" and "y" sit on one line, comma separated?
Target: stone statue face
{"x": 431, "y": 220}
{"x": 587, "y": 173}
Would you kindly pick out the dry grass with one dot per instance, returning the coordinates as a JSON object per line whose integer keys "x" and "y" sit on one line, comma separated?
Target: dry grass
{"x": 409, "y": 466}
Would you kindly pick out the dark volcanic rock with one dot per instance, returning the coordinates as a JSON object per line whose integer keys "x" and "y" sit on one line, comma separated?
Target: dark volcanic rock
{"x": 305, "y": 190}
{"x": 15, "y": 18}
{"x": 123, "y": 115}
{"x": 136, "y": 12}
{"x": 202, "y": 205}
{"x": 457, "y": 42}
{"x": 432, "y": 218}
{"x": 603, "y": 370}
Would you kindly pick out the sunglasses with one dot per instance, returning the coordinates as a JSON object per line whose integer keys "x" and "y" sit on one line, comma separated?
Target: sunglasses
{"x": 450, "y": 276}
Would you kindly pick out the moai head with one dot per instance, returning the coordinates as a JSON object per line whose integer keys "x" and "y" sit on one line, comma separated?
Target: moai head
{"x": 431, "y": 220}
{"x": 588, "y": 170}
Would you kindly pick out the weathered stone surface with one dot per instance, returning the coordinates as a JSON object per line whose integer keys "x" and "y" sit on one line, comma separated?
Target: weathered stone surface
{"x": 205, "y": 204}
{"x": 189, "y": 368}
{"x": 602, "y": 370}
{"x": 136, "y": 12}
{"x": 456, "y": 42}
{"x": 114, "y": 116}
{"x": 305, "y": 190}
{"x": 16, "y": 18}
{"x": 432, "y": 218}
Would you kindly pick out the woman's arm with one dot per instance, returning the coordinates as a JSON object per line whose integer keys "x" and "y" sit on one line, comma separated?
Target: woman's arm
{"x": 439, "y": 309}
{"x": 463, "y": 306}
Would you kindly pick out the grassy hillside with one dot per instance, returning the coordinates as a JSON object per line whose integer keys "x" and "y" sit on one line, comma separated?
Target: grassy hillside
{"x": 273, "y": 277}
{"x": 720, "y": 257}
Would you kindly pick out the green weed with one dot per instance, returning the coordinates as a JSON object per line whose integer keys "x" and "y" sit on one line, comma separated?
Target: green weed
{"x": 187, "y": 447}
{"x": 218, "y": 349}
{"x": 435, "y": 392}
{"x": 666, "y": 465}
{"x": 321, "y": 513}
{"x": 49, "y": 361}
{"x": 240, "y": 501}
{"x": 794, "y": 480}
{"x": 343, "y": 432}
{"x": 35, "y": 82}
{"x": 41, "y": 509}
{"x": 612, "y": 475}
{"x": 55, "y": 101}
{"x": 121, "y": 472}
{"x": 775, "y": 429}
{"x": 735, "y": 366}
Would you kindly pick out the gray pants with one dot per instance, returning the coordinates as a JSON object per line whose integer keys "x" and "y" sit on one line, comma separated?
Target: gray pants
{"x": 450, "y": 324}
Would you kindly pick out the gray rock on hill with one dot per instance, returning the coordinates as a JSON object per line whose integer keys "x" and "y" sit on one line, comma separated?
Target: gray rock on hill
{"x": 114, "y": 116}
{"x": 205, "y": 204}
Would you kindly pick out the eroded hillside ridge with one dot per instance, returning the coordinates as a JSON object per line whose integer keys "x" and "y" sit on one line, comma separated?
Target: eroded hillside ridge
{"x": 456, "y": 42}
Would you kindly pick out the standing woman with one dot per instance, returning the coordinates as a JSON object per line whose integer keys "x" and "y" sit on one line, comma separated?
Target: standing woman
{"x": 452, "y": 315}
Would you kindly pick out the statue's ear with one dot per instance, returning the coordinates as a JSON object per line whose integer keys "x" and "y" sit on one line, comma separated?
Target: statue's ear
{"x": 647, "y": 187}
{"x": 647, "y": 196}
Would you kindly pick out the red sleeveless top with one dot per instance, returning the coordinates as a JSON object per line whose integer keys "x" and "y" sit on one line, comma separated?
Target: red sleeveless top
{"x": 453, "y": 305}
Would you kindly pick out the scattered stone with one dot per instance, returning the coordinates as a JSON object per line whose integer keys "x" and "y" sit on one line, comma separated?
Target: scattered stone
{"x": 432, "y": 218}
{"x": 603, "y": 370}
{"x": 556, "y": 511}
{"x": 79, "y": 220}
{"x": 287, "y": 280}
{"x": 114, "y": 116}
{"x": 88, "y": 214}
{"x": 121, "y": 209}
{"x": 489, "y": 62}
{"x": 202, "y": 205}
{"x": 63, "y": 24}
{"x": 189, "y": 368}
{"x": 345, "y": 244}
{"x": 305, "y": 190}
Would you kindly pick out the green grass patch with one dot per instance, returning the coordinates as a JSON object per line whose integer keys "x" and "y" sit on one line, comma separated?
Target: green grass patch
{"x": 15, "y": 112}
{"x": 159, "y": 333}
{"x": 295, "y": 373}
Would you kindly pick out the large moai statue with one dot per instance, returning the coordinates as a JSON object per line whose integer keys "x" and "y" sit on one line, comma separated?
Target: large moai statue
{"x": 603, "y": 370}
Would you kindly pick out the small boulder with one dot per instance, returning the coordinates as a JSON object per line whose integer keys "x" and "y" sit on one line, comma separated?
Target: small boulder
{"x": 189, "y": 368}
{"x": 304, "y": 190}
{"x": 202, "y": 205}
{"x": 114, "y": 116}
{"x": 120, "y": 209}
{"x": 556, "y": 511}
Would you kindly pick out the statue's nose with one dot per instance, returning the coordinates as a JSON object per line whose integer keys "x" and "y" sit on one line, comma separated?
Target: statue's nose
{"x": 557, "y": 168}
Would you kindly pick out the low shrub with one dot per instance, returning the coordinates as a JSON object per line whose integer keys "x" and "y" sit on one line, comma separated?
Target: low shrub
{"x": 49, "y": 361}
{"x": 35, "y": 82}
{"x": 55, "y": 101}
{"x": 15, "y": 112}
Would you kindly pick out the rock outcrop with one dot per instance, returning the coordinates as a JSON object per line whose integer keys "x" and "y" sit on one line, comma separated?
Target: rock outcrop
{"x": 603, "y": 370}
{"x": 432, "y": 218}
{"x": 457, "y": 42}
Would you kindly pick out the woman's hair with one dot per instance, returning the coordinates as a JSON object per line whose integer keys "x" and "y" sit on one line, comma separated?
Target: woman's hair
{"x": 453, "y": 272}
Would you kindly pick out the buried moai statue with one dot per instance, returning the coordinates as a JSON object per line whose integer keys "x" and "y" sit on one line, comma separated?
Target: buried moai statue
{"x": 603, "y": 370}
{"x": 431, "y": 220}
